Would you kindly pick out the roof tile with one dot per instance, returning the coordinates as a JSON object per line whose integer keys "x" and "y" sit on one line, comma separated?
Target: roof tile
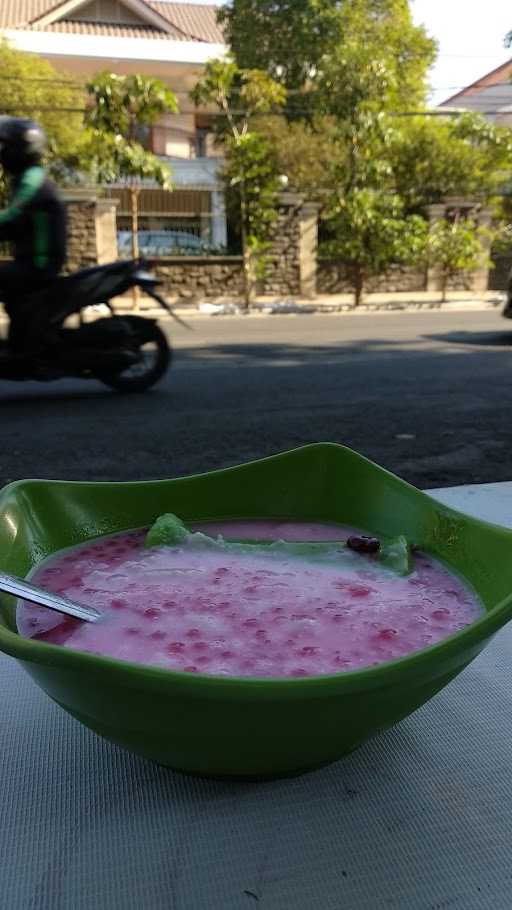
{"x": 189, "y": 21}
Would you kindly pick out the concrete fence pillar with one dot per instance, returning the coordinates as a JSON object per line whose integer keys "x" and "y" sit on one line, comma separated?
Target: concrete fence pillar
{"x": 467, "y": 208}
{"x": 92, "y": 230}
{"x": 291, "y": 260}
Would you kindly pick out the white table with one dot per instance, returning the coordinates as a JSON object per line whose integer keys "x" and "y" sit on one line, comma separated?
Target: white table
{"x": 421, "y": 817}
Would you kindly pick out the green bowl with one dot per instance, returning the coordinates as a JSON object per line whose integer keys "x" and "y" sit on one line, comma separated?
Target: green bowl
{"x": 244, "y": 728}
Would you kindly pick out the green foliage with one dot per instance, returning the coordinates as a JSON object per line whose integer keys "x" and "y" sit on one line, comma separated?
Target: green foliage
{"x": 342, "y": 54}
{"x": 286, "y": 39}
{"x": 434, "y": 158}
{"x": 122, "y": 104}
{"x": 370, "y": 232}
{"x": 119, "y": 106}
{"x": 250, "y": 171}
{"x": 456, "y": 246}
{"x": 250, "y": 165}
{"x": 309, "y": 153}
{"x": 109, "y": 157}
{"x": 30, "y": 87}
{"x": 380, "y": 63}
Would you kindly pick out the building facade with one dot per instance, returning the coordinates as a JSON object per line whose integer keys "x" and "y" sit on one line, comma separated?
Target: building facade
{"x": 170, "y": 41}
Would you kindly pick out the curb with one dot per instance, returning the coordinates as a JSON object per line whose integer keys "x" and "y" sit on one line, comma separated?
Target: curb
{"x": 291, "y": 307}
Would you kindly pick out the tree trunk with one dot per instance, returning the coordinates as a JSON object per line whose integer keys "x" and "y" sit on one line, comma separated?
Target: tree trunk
{"x": 444, "y": 286}
{"x": 134, "y": 194}
{"x": 358, "y": 284}
{"x": 248, "y": 269}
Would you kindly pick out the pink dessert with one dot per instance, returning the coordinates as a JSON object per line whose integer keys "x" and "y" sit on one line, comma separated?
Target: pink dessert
{"x": 266, "y": 614}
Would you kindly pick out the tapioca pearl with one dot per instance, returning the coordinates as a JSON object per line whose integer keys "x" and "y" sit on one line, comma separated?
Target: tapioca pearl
{"x": 118, "y": 604}
{"x": 387, "y": 634}
{"x": 158, "y": 635}
{"x": 226, "y": 655}
{"x": 152, "y": 613}
{"x": 193, "y": 633}
{"x": 190, "y": 669}
{"x": 199, "y": 646}
{"x": 442, "y": 613}
{"x": 176, "y": 647}
{"x": 309, "y": 651}
{"x": 249, "y": 623}
{"x": 203, "y": 659}
{"x": 359, "y": 591}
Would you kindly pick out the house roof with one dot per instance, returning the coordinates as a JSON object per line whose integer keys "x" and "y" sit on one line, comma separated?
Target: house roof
{"x": 184, "y": 21}
{"x": 501, "y": 76}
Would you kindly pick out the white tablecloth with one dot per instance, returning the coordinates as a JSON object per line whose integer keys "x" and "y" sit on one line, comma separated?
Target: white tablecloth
{"x": 418, "y": 819}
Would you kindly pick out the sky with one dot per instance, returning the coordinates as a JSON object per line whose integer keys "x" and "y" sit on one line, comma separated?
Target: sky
{"x": 470, "y": 37}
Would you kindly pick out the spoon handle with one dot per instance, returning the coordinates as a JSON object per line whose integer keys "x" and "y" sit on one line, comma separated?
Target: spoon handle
{"x": 20, "y": 588}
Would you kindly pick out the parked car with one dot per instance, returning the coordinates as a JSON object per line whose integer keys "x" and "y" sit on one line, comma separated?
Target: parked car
{"x": 160, "y": 243}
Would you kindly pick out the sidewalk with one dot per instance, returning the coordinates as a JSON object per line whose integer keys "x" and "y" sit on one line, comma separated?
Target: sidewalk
{"x": 323, "y": 303}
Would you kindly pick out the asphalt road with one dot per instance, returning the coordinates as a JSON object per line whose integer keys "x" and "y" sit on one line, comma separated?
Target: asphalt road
{"x": 428, "y": 395}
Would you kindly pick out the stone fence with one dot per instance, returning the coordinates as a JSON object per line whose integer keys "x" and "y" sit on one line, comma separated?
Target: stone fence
{"x": 293, "y": 267}
{"x": 334, "y": 277}
{"x": 290, "y": 264}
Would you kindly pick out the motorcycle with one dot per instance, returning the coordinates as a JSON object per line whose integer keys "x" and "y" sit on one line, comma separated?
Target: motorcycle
{"x": 128, "y": 353}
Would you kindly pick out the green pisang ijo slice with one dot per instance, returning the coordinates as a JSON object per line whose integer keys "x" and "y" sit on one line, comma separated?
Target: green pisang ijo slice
{"x": 394, "y": 553}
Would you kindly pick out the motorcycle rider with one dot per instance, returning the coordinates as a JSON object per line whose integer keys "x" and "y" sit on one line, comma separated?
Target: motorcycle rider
{"x": 34, "y": 223}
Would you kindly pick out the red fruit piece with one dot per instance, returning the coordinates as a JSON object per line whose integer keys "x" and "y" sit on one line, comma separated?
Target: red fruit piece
{"x": 193, "y": 633}
{"x": 359, "y": 591}
{"x": 118, "y": 604}
{"x": 442, "y": 613}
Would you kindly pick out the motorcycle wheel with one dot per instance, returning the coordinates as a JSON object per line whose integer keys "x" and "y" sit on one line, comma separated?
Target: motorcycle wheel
{"x": 156, "y": 356}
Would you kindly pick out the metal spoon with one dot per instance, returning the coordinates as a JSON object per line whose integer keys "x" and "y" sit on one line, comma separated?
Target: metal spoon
{"x": 21, "y": 588}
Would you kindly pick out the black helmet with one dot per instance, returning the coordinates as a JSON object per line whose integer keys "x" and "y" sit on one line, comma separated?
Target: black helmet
{"x": 22, "y": 143}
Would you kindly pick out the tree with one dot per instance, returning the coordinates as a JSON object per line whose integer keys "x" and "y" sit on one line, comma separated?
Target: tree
{"x": 370, "y": 232}
{"x": 309, "y": 153}
{"x": 335, "y": 54}
{"x": 455, "y": 246}
{"x": 249, "y": 171}
{"x": 438, "y": 157}
{"x": 286, "y": 39}
{"x": 30, "y": 87}
{"x": 119, "y": 106}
